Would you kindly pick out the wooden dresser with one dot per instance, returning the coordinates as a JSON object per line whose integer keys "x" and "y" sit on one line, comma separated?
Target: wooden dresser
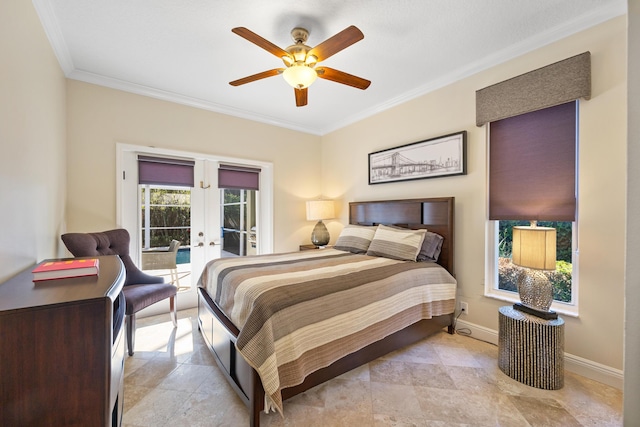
{"x": 62, "y": 349}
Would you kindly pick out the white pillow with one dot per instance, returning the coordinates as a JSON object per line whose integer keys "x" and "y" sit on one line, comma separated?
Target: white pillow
{"x": 355, "y": 238}
{"x": 394, "y": 243}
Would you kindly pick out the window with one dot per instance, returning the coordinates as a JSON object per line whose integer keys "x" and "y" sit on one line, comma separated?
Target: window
{"x": 561, "y": 278}
{"x": 532, "y": 177}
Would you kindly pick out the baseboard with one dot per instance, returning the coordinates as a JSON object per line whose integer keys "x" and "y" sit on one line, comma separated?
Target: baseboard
{"x": 478, "y": 332}
{"x": 578, "y": 365}
{"x": 594, "y": 370}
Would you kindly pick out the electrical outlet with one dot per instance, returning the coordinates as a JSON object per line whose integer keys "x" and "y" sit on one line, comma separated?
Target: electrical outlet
{"x": 464, "y": 307}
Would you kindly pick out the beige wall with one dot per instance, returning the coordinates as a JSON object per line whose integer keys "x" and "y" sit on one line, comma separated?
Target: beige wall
{"x": 597, "y": 334}
{"x": 32, "y": 138}
{"x": 99, "y": 117}
{"x": 632, "y": 289}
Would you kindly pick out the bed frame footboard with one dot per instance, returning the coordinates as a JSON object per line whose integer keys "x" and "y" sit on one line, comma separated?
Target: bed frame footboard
{"x": 220, "y": 335}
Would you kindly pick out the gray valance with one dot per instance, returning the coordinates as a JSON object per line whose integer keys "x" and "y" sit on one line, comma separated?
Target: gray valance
{"x": 548, "y": 86}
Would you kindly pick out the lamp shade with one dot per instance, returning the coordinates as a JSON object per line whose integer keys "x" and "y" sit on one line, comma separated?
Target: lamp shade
{"x": 534, "y": 247}
{"x": 320, "y": 209}
{"x": 300, "y": 76}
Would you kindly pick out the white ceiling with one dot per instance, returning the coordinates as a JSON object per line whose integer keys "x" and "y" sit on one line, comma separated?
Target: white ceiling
{"x": 184, "y": 51}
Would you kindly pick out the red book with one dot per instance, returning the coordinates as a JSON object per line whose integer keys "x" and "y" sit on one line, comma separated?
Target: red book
{"x": 65, "y": 269}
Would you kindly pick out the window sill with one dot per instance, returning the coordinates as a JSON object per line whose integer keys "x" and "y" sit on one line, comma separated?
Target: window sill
{"x": 512, "y": 297}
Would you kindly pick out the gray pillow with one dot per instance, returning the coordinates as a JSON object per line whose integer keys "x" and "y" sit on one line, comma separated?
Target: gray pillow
{"x": 431, "y": 247}
{"x": 355, "y": 238}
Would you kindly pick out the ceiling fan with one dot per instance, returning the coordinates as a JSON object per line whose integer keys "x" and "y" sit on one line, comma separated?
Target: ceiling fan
{"x": 301, "y": 60}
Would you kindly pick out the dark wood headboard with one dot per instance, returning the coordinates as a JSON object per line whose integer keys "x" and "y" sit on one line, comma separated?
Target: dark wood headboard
{"x": 436, "y": 215}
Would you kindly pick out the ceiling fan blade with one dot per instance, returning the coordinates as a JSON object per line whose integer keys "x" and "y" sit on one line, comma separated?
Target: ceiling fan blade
{"x": 301, "y": 97}
{"x": 259, "y": 41}
{"x": 342, "y": 77}
{"x": 335, "y": 44}
{"x": 258, "y": 76}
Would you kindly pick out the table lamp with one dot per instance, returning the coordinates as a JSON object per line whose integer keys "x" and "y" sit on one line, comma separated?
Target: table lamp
{"x": 535, "y": 249}
{"x": 319, "y": 210}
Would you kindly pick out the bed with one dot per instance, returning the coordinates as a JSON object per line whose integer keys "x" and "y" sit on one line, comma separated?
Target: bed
{"x": 284, "y": 346}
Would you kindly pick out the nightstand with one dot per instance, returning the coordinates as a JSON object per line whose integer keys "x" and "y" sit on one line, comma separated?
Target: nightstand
{"x": 312, "y": 247}
{"x": 531, "y": 349}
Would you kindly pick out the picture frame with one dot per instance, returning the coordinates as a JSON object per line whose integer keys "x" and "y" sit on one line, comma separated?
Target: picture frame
{"x": 431, "y": 158}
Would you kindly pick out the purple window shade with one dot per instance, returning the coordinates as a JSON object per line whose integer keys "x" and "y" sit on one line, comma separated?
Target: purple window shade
{"x": 532, "y": 166}
{"x": 238, "y": 178}
{"x": 165, "y": 171}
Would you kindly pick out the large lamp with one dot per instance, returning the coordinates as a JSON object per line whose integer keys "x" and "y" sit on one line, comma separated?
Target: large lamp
{"x": 319, "y": 210}
{"x": 535, "y": 249}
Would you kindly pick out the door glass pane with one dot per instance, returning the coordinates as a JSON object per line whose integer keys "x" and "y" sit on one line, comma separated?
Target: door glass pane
{"x": 231, "y": 196}
{"x": 238, "y": 222}
{"x": 166, "y": 216}
{"x": 231, "y": 242}
{"x": 169, "y": 216}
{"x": 231, "y": 216}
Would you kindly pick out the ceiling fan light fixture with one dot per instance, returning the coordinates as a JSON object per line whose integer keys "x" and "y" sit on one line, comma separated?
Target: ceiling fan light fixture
{"x": 288, "y": 61}
{"x": 300, "y": 60}
{"x": 300, "y": 76}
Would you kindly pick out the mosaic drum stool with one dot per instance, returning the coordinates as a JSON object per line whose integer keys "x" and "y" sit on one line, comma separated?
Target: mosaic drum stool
{"x": 531, "y": 349}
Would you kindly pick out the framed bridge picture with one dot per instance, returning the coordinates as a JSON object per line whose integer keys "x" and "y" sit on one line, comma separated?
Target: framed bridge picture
{"x": 432, "y": 158}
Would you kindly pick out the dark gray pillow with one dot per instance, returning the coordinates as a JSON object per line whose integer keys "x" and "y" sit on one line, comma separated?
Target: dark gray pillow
{"x": 431, "y": 247}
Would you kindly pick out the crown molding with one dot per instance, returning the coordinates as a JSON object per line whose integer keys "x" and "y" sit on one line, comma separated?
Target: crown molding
{"x": 49, "y": 22}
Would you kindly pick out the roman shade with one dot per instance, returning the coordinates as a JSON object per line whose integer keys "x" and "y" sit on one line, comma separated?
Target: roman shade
{"x": 238, "y": 177}
{"x": 165, "y": 171}
{"x": 555, "y": 84}
{"x": 532, "y": 165}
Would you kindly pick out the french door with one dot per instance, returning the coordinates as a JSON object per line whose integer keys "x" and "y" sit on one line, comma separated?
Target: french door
{"x": 211, "y": 223}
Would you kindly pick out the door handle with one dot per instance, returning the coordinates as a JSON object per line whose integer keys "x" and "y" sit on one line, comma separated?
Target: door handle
{"x": 212, "y": 243}
{"x": 199, "y": 245}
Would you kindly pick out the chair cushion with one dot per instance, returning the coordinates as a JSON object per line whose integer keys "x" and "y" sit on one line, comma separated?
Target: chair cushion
{"x": 138, "y": 297}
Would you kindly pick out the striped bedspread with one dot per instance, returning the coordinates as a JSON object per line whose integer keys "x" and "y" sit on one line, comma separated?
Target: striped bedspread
{"x": 299, "y": 312}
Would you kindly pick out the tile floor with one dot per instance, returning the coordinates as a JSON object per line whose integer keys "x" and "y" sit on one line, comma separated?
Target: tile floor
{"x": 446, "y": 380}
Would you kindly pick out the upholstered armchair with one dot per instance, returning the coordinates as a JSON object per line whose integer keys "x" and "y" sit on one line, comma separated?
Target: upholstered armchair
{"x": 140, "y": 289}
